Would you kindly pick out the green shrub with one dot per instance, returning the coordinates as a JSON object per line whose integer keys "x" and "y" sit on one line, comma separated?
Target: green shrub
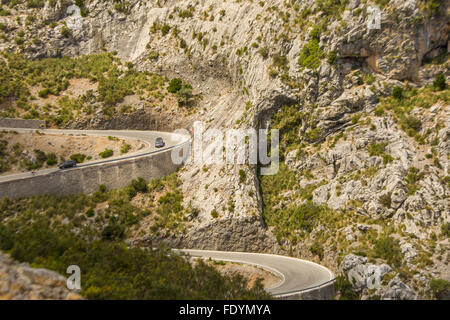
{"x": 19, "y": 41}
{"x": 122, "y": 6}
{"x": 388, "y": 248}
{"x": 311, "y": 55}
{"x": 106, "y": 154}
{"x": 377, "y": 149}
{"x": 386, "y": 199}
{"x": 131, "y": 192}
{"x": 155, "y": 185}
{"x": 51, "y": 159}
{"x": 113, "y": 232}
{"x": 140, "y": 185}
{"x": 332, "y": 58}
{"x": 317, "y": 250}
{"x": 445, "y": 229}
{"x": 242, "y": 176}
{"x": 125, "y": 148}
{"x": 44, "y": 93}
{"x": 165, "y": 29}
{"x": 153, "y": 55}
{"x": 431, "y": 7}
{"x": 78, "y": 157}
{"x": 186, "y": 13}
{"x": 369, "y": 78}
{"x": 184, "y": 94}
{"x": 331, "y": 7}
{"x": 397, "y": 93}
{"x": 440, "y": 288}
{"x": 345, "y": 289}
{"x": 90, "y": 212}
{"x": 411, "y": 123}
{"x": 412, "y": 180}
{"x": 315, "y": 32}
{"x": 387, "y": 158}
{"x": 65, "y": 31}
{"x": 313, "y": 135}
{"x": 264, "y": 52}
{"x": 440, "y": 82}
{"x": 174, "y": 85}
{"x": 279, "y": 61}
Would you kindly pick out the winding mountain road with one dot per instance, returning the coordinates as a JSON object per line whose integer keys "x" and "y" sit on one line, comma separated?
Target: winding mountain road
{"x": 296, "y": 275}
{"x": 146, "y": 137}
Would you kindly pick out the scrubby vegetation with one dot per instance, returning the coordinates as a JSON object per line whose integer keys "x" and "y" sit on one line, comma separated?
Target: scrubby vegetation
{"x": 440, "y": 288}
{"x": 345, "y": 289}
{"x": 404, "y": 101}
{"x": 52, "y": 76}
{"x": 291, "y": 221}
{"x": 295, "y": 219}
{"x": 182, "y": 90}
{"x": 106, "y": 153}
{"x": 12, "y": 156}
{"x": 312, "y": 54}
{"x": 288, "y": 121}
{"x": 388, "y": 249}
{"x": 58, "y": 231}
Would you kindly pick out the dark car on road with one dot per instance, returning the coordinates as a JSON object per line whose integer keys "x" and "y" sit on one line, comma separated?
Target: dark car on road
{"x": 159, "y": 142}
{"x": 68, "y": 164}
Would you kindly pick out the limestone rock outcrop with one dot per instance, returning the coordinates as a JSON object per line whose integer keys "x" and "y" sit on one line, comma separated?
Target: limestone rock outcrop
{"x": 18, "y": 281}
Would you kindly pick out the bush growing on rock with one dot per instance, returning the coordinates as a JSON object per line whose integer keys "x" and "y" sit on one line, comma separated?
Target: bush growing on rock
{"x": 113, "y": 232}
{"x": 386, "y": 200}
{"x": 65, "y": 31}
{"x": 440, "y": 82}
{"x": 397, "y": 93}
{"x": 90, "y": 212}
{"x": 174, "y": 85}
{"x": 131, "y": 192}
{"x": 184, "y": 94}
{"x": 264, "y": 52}
{"x": 317, "y": 249}
{"x": 445, "y": 229}
{"x": 242, "y": 176}
{"x": 44, "y": 93}
{"x": 140, "y": 185}
{"x": 388, "y": 248}
{"x": 345, "y": 289}
{"x": 440, "y": 288}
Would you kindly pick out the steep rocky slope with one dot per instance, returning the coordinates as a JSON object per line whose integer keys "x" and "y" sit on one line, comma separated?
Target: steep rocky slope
{"x": 374, "y": 167}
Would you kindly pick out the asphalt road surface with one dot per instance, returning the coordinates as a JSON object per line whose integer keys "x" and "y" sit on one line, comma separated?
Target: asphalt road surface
{"x": 296, "y": 275}
{"x": 146, "y": 137}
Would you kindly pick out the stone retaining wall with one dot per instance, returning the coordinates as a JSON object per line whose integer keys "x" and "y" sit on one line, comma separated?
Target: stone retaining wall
{"x": 87, "y": 179}
{"x": 21, "y": 123}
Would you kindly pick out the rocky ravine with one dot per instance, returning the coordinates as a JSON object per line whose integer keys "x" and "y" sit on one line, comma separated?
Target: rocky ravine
{"x": 243, "y": 58}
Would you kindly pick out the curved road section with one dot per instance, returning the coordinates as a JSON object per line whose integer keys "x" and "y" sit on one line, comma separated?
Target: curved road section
{"x": 297, "y": 275}
{"x": 146, "y": 137}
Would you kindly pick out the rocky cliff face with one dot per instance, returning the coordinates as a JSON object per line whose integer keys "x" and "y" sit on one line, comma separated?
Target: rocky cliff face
{"x": 21, "y": 282}
{"x": 247, "y": 59}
